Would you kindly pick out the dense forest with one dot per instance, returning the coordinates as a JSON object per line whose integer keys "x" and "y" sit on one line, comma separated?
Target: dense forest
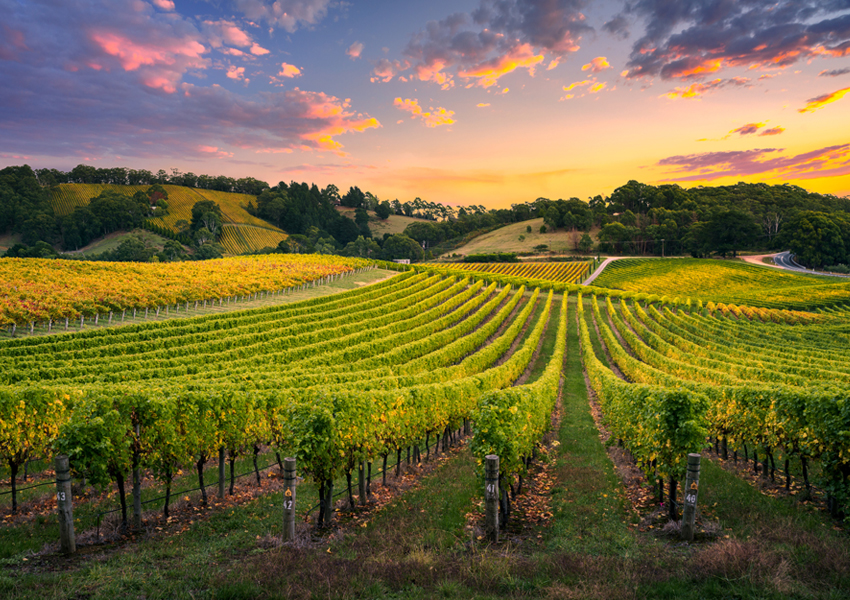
{"x": 636, "y": 218}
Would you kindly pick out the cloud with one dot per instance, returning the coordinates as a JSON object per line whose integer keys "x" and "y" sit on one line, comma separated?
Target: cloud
{"x": 436, "y": 117}
{"x": 600, "y": 63}
{"x": 813, "y": 104}
{"x": 164, "y": 4}
{"x": 117, "y": 74}
{"x": 830, "y": 161}
{"x": 596, "y": 87}
{"x": 258, "y": 50}
{"x": 215, "y": 151}
{"x": 772, "y": 131}
{"x": 289, "y": 71}
{"x": 236, "y": 73}
{"x": 497, "y": 38}
{"x": 575, "y": 84}
{"x": 748, "y": 129}
{"x": 226, "y": 32}
{"x": 161, "y": 63}
{"x": 355, "y": 50}
{"x": 489, "y": 72}
{"x": 690, "y": 40}
{"x": 695, "y": 90}
{"x": 288, "y": 14}
{"x": 618, "y": 27}
{"x": 483, "y": 104}
{"x": 834, "y": 72}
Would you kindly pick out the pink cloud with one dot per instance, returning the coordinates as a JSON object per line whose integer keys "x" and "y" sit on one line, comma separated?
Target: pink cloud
{"x": 436, "y": 117}
{"x": 258, "y": 50}
{"x": 161, "y": 62}
{"x": 355, "y": 50}
{"x": 164, "y": 4}
{"x": 236, "y": 73}
{"x": 214, "y": 151}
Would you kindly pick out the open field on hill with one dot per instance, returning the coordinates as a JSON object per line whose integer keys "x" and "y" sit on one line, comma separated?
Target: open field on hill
{"x": 392, "y": 225}
{"x": 724, "y": 281}
{"x": 113, "y": 240}
{"x": 506, "y": 239}
{"x": 242, "y": 231}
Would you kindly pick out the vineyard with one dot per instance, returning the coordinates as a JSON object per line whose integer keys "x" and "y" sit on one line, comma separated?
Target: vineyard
{"x": 724, "y": 281}
{"x": 560, "y": 272}
{"x": 55, "y": 292}
{"x": 242, "y": 231}
{"x": 346, "y": 383}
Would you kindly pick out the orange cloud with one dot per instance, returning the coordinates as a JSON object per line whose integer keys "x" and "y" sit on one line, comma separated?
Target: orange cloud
{"x": 289, "y": 71}
{"x": 814, "y": 104}
{"x": 597, "y": 87}
{"x": 483, "y": 104}
{"x": 489, "y": 72}
{"x": 600, "y": 63}
{"x": 440, "y": 116}
{"x": 576, "y": 84}
{"x": 696, "y": 90}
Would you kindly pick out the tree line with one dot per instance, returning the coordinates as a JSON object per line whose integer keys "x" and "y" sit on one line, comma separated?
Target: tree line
{"x": 636, "y": 218}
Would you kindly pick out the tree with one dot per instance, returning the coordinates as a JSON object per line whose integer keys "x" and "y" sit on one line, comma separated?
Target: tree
{"x": 585, "y": 245}
{"x": 206, "y": 214}
{"x": 209, "y": 251}
{"x": 731, "y": 230}
{"x": 817, "y": 238}
{"x": 401, "y": 246}
{"x": 354, "y": 198}
{"x": 172, "y": 251}
{"x": 383, "y": 210}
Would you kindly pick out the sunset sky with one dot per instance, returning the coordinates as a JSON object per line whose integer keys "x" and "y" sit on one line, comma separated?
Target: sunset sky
{"x": 487, "y": 102}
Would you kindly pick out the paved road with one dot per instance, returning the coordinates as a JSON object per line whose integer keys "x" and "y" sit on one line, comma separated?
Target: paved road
{"x": 598, "y": 270}
{"x": 784, "y": 260}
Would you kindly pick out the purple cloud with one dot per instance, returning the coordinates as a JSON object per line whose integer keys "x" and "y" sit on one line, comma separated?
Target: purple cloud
{"x": 497, "y": 38}
{"x": 689, "y": 39}
{"x": 99, "y": 79}
{"x": 830, "y": 161}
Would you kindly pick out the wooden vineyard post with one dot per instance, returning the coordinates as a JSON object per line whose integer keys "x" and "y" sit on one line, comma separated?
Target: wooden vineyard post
{"x": 221, "y": 477}
{"x": 491, "y": 497}
{"x": 690, "y": 493}
{"x": 361, "y": 482}
{"x": 64, "y": 501}
{"x": 288, "y": 499}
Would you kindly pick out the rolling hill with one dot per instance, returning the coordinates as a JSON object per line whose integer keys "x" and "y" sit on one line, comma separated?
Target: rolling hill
{"x": 242, "y": 231}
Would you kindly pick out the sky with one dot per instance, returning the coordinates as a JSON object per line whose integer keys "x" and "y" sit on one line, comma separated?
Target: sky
{"x": 489, "y": 102}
